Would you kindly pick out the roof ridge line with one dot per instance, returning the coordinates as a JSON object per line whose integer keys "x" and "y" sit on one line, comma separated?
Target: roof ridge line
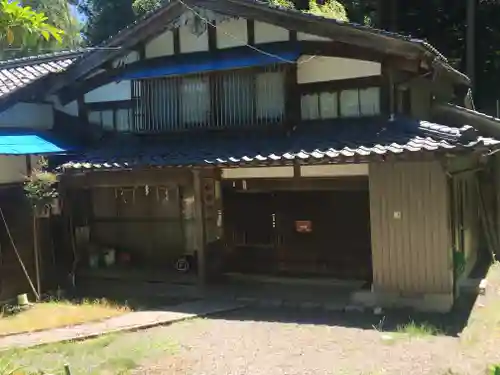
{"x": 57, "y": 55}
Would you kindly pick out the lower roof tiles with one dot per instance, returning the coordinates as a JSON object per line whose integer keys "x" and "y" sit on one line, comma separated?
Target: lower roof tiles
{"x": 310, "y": 143}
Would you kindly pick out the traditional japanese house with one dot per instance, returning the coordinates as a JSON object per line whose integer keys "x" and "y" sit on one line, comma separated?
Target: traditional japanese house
{"x": 268, "y": 141}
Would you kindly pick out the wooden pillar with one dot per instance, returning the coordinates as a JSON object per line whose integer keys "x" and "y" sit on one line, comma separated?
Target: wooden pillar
{"x": 200, "y": 227}
{"x": 470, "y": 43}
{"x": 387, "y": 93}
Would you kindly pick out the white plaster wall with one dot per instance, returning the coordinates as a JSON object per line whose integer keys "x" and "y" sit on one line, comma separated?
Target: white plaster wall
{"x": 28, "y": 115}
{"x": 12, "y": 168}
{"x": 304, "y": 36}
{"x": 320, "y": 68}
{"x": 111, "y": 92}
{"x": 191, "y": 42}
{"x": 162, "y": 45}
{"x": 232, "y": 33}
{"x": 71, "y": 108}
{"x": 267, "y": 33}
{"x": 128, "y": 59}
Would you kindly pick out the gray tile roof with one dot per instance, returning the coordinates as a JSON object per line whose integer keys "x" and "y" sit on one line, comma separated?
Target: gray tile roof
{"x": 334, "y": 142}
{"x": 18, "y": 73}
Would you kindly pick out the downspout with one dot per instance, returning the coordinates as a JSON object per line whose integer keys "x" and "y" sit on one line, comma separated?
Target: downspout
{"x": 451, "y": 225}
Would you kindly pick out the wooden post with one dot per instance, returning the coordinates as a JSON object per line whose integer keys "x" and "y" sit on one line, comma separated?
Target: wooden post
{"x": 36, "y": 254}
{"x": 200, "y": 227}
{"x": 470, "y": 41}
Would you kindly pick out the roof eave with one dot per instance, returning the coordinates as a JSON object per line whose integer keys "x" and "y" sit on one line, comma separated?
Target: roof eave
{"x": 294, "y": 20}
{"x": 487, "y": 125}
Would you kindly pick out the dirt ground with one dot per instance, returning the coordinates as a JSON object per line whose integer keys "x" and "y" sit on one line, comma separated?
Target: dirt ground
{"x": 279, "y": 342}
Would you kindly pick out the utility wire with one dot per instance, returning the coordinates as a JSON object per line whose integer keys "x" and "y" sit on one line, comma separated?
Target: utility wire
{"x": 244, "y": 42}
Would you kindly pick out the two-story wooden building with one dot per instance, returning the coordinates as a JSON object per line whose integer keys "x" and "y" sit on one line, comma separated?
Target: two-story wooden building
{"x": 301, "y": 146}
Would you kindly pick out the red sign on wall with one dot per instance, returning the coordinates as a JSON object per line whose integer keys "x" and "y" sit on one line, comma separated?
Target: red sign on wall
{"x": 303, "y": 226}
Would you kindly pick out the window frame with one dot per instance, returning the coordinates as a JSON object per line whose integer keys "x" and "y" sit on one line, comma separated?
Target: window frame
{"x": 215, "y": 93}
{"x": 337, "y": 87}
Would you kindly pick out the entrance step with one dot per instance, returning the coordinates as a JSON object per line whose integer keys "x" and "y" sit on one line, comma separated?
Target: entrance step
{"x": 330, "y": 306}
{"x": 241, "y": 277}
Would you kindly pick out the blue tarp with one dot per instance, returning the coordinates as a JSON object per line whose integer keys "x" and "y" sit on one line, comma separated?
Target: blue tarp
{"x": 26, "y": 142}
{"x": 208, "y": 62}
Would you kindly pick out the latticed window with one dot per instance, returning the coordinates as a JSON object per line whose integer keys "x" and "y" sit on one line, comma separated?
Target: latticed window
{"x": 363, "y": 102}
{"x": 211, "y": 101}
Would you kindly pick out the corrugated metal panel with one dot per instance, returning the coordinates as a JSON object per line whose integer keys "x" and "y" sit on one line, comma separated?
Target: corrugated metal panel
{"x": 411, "y": 242}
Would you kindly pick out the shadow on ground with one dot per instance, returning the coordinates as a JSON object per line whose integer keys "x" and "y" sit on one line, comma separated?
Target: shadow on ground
{"x": 450, "y": 324}
{"x": 146, "y": 297}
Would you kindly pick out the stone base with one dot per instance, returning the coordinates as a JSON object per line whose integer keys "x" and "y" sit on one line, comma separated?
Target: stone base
{"x": 430, "y": 302}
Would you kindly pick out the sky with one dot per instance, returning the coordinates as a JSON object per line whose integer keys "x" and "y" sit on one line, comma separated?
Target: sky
{"x": 78, "y": 15}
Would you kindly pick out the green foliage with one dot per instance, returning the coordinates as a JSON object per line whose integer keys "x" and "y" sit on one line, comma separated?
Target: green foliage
{"x": 22, "y": 26}
{"x": 282, "y": 4}
{"x": 58, "y": 14}
{"x": 39, "y": 186}
{"x": 142, "y": 7}
{"x": 414, "y": 329}
{"x": 105, "y": 18}
{"x": 494, "y": 370}
{"x": 330, "y": 9}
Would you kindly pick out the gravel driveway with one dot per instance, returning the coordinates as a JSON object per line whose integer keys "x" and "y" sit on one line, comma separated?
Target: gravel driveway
{"x": 255, "y": 342}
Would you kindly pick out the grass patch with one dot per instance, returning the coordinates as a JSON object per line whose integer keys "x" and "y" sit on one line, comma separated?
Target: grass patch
{"x": 54, "y": 314}
{"x": 414, "y": 329}
{"x": 110, "y": 354}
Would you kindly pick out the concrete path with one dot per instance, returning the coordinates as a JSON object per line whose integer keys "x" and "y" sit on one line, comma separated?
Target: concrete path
{"x": 127, "y": 322}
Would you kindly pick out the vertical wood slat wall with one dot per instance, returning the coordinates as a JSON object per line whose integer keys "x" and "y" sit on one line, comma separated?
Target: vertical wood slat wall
{"x": 411, "y": 255}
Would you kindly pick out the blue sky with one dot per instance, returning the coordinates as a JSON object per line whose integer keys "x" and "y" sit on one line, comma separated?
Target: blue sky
{"x": 78, "y": 15}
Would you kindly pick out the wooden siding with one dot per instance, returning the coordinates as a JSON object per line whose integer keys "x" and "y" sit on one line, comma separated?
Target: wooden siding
{"x": 411, "y": 244}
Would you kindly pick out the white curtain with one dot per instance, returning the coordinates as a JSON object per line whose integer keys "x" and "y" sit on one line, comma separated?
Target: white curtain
{"x": 236, "y": 105}
{"x": 195, "y": 101}
{"x": 349, "y": 103}
{"x": 328, "y": 105}
{"x": 310, "y": 107}
{"x": 369, "y": 99}
{"x": 270, "y": 97}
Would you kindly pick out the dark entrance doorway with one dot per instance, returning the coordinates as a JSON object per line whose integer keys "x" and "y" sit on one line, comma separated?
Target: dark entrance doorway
{"x": 322, "y": 233}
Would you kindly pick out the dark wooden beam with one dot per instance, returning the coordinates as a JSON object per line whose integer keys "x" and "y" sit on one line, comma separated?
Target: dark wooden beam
{"x": 200, "y": 227}
{"x": 177, "y": 41}
{"x": 124, "y": 41}
{"x": 212, "y": 38}
{"x": 251, "y": 32}
{"x": 112, "y": 105}
{"x": 212, "y": 48}
{"x": 313, "y": 25}
{"x": 292, "y": 98}
{"x": 141, "y": 50}
{"x": 333, "y": 49}
{"x": 82, "y": 109}
{"x": 385, "y": 90}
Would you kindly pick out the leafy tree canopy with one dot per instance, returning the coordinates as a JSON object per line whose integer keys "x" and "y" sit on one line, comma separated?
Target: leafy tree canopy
{"x": 105, "y": 18}
{"x": 22, "y": 27}
{"x": 58, "y": 14}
